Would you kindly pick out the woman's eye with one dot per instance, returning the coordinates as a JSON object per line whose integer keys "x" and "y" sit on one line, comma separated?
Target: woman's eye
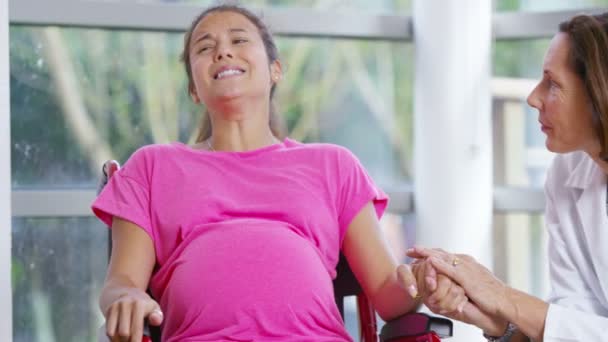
{"x": 553, "y": 85}
{"x": 204, "y": 48}
{"x": 239, "y": 41}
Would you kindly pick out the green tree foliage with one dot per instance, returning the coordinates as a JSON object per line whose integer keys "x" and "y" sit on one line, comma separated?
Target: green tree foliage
{"x": 105, "y": 93}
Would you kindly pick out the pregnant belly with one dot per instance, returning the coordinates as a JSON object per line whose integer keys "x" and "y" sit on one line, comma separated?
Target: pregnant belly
{"x": 235, "y": 278}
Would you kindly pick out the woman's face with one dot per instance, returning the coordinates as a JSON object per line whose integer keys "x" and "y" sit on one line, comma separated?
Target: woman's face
{"x": 564, "y": 107}
{"x": 228, "y": 60}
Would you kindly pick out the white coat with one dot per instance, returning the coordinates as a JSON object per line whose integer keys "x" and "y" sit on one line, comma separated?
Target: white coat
{"x": 577, "y": 222}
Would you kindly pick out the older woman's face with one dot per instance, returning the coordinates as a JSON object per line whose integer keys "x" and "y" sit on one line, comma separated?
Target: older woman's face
{"x": 229, "y": 61}
{"x": 563, "y": 104}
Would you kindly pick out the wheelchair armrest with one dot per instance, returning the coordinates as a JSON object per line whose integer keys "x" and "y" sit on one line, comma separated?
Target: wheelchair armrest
{"x": 415, "y": 324}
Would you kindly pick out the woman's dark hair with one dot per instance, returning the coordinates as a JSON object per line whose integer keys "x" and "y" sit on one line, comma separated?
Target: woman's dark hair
{"x": 588, "y": 52}
{"x": 276, "y": 125}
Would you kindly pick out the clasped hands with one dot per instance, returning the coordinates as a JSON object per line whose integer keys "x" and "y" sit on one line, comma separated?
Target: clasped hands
{"x": 457, "y": 287}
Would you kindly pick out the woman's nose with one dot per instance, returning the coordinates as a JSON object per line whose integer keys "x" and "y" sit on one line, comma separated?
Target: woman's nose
{"x": 223, "y": 52}
{"x": 221, "y": 56}
{"x": 534, "y": 98}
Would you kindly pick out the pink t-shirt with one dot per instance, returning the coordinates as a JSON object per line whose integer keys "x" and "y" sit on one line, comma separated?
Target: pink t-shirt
{"x": 246, "y": 243}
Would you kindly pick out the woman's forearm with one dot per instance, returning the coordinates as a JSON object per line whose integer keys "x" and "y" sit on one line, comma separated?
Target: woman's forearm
{"x": 527, "y": 312}
{"x": 392, "y": 301}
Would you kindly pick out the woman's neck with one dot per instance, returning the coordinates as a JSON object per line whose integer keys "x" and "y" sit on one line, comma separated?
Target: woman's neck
{"x": 240, "y": 126}
{"x": 602, "y": 164}
{"x": 594, "y": 153}
{"x": 250, "y": 133}
{"x": 239, "y": 139}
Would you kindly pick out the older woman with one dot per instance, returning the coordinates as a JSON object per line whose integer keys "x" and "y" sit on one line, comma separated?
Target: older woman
{"x": 238, "y": 236}
{"x": 572, "y": 101}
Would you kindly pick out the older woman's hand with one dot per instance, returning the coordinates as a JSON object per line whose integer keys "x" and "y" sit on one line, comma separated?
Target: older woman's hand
{"x": 469, "y": 312}
{"x": 480, "y": 285}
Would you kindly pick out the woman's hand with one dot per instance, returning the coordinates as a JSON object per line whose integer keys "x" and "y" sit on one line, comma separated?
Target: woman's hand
{"x": 490, "y": 324}
{"x": 125, "y": 316}
{"x": 469, "y": 312}
{"x": 481, "y": 286}
{"x": 439, "y": 293}
{"x": 123, "y": 299}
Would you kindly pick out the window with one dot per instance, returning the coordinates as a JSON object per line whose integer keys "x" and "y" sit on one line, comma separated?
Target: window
{"x": 521, "y": 161}
{"x": 521, "y": 158}
{"x": 520, "y": 252}
{"x": 58, "y": 267}
{"x": 82, "y": 96}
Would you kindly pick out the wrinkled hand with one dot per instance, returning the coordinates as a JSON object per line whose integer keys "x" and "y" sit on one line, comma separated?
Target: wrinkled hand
{"x": 480, "y": 285}
{"x": 125, "y": 317}
{"x": 485, "y": 291}
{"x": 471, "y": 314}
{"x": 439, "y": 293}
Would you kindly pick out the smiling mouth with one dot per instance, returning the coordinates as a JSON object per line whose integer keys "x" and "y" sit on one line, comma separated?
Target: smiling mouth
{"x": 228, "y": 73}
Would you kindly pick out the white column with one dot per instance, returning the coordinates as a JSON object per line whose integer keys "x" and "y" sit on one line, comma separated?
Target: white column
{"x": 6, "y": 309}
{"x": 452, "y": 130}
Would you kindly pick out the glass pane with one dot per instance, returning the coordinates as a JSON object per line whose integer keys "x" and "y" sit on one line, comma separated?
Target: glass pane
{"x": 520, "y": 156}
{"x": 520, "y": 58}
{"x": 520, "y": 252}
{"x": 82, "y": 96}
{"x": 547, "y": 5}
{"x": 58, "y": 267}
{"x": 363, "y": 5}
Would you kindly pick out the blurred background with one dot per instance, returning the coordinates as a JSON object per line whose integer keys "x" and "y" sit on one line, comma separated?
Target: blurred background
{"x": 92, "y": 80}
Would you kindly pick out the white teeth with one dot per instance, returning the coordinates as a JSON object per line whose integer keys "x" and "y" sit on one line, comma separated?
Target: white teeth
{"x": 228, "y": 72}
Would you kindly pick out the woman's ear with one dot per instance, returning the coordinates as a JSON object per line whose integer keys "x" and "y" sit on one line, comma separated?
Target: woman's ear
{"x": 276, "y": 71}
{"x": 194, "y": 95}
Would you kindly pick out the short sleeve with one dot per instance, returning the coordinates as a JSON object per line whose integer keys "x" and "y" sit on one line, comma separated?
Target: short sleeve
{"x": 126, "y": 195}
{"x": 356, "y": 190}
